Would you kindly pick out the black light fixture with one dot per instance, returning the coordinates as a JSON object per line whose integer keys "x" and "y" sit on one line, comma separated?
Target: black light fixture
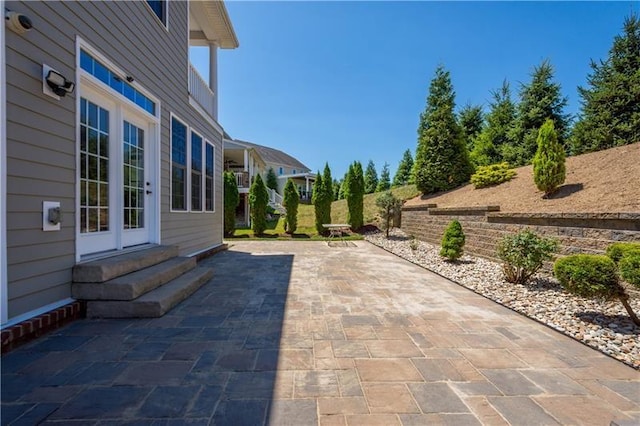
{"x": 59, "y": 84}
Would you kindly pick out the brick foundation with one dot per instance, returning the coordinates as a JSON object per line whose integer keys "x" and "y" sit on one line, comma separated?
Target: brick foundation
{"x": 21, "y": 333}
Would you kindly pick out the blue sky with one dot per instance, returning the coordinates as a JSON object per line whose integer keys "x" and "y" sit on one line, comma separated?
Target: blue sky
{"x": 345, "y": 81}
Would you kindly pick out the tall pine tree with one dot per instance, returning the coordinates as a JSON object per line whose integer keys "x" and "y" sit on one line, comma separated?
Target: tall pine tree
{"x": 610, "y": 114}
{"x": 403, "y": 173}
{"x": 471, "y": 120}
{"x": 327, "y": 182}
{"x": 442, "y": 160}
{"x": 488, "y": 145}
{"x": 540, "y": 100}
{"x": 385, "y": 179}
{"x": 370, "y": 178}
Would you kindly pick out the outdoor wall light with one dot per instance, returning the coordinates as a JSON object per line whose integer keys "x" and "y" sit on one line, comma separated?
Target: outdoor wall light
{"x": 56, "y": 82}
{"x": 17, "y": 22}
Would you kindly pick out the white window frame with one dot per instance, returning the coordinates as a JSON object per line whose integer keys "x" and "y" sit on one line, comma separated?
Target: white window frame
{"x": 202, "y": 181}
{"x": 4, "y": 302}
{"x": 164, "y": 24}
{"x": 172, "y": 117}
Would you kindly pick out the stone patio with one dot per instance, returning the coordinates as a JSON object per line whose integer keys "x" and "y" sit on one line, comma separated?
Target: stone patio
{"x": 300, "y": 333}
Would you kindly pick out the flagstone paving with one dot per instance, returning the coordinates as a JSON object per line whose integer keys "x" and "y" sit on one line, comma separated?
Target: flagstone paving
{"x": 300, "y": 333}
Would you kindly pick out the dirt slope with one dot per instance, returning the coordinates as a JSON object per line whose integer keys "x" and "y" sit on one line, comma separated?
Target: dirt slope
{"x": 605, "y": 181}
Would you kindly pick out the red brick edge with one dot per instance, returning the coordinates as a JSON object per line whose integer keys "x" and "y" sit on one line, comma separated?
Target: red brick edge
{"x": 21, "y": 333}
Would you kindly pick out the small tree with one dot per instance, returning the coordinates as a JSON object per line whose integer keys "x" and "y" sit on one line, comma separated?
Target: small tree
{"x": 291, "y": 201}
{"x": 258, "y": 200}
{"x": 272, "y": 179}
{"x": 548, "y": 164}
{"x": 370, "y": 178}
{"x": 523, "y": 255}
{"x": 388, "y": 206}
{"x": 231, "y": 200}
{"x": 452, "y": 241}
{"x": 593, "y": 276}
{"x": 385, "y": 181}
{"x": 403, "y": 173}
{"x": 355, "y": 196}
{"x": 319, "y": 204}
{"x": 327, "y": 181}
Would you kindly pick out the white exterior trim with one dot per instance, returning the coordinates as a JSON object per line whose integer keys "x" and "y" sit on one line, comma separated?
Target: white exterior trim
{"x": 4, "y": 303}
{"x": 41, "y": 310}
{"x": 195, "y": 105}
{"x": 195, "y": 253}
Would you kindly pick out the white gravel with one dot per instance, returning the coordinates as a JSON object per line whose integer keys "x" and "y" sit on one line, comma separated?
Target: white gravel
{"x": 604, "y": 326}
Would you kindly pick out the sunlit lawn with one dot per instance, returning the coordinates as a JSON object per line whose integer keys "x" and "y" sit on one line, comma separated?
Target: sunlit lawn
{"x": 306, "y": 218}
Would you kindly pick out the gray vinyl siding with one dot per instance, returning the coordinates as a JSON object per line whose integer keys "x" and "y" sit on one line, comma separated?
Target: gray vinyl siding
{"x": 41, "y": 141}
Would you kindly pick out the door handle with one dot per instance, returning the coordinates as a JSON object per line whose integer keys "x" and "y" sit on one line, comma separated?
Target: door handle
{"x": 148, "y": 192}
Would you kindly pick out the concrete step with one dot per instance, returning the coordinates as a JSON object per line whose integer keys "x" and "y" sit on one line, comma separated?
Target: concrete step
{"x": 155, "y": 303}
{"x": 135, "y": 284}
{"x": 99, "y": 271}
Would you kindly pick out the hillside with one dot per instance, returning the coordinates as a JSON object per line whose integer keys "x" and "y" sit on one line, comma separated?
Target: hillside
{"x": 604, "y": 181}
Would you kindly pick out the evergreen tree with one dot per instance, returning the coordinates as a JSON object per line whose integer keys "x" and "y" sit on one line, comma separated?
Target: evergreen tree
{"x": 291, "y": 201}
{"x": 385, "y": 181}
{"x": 403, "y": 174}
{"x": 355, "y": 195}
{"x": 258, "y": 200}
{"x": 453, "y": 241}
{"x": 370, "y": 178}
{"x": 328, "y": 196}
{"x": 388, "y": 207}
{"x": 539, "y": 100}
{"x": 471, "y": 120}
{"x": 488, "y": 145}
{"x": 548, "y": 164}
{"x": 336, "y": 189}
{"x": 610, "y": 114}
{"x": 317, "y": 198}
{"x": 442, "y": 160}
{"x": 231, "y": 200}
{"x": 272, "y": 179}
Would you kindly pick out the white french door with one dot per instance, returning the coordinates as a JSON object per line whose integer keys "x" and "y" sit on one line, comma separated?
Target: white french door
{"x": 116, "y": 179}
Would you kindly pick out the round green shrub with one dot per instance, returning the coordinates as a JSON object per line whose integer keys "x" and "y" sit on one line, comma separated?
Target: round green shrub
{"x": 617, "y": 250}
{"x": 588, "y": 275}
{"x": 452, "y": 241}
{"x": 629, "y": 267}
{"x": 494, "y": 174}
{"x": 524, "y": 254}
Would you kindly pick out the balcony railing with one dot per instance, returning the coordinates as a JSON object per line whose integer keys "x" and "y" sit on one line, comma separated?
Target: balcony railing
{"x": 242, "y": 179}
{"x": 201, "y": 92}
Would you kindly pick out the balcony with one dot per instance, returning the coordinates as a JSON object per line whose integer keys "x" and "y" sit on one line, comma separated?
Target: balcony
{"x": 202, "y": 93}
{"x": 242, "y": 179}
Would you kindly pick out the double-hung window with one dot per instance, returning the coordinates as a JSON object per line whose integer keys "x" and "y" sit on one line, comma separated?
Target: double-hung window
{"x": 209, "y": 151}
{"x": 196, "y": 172}
{"x": 178, "y": 165}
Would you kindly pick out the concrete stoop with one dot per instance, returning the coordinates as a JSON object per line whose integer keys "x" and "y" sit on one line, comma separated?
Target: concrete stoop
{"x": 142, "y": 284}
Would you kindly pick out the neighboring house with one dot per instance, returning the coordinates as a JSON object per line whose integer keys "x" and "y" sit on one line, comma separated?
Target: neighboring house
{"x": 110, "y": 140}
{"x": 247, "y": 159}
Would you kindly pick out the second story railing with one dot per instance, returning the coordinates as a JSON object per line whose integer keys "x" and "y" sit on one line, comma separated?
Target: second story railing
{"x": 242, "y": 179}
{"x": 201, "y": 92}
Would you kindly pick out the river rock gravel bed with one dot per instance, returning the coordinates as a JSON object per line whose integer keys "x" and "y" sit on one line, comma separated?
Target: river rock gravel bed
{"x": 604, "y": 326}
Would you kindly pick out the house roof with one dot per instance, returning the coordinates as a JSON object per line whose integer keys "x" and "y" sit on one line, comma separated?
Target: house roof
{"x": 272, "y": 155}
{"x": 209, "y": 22}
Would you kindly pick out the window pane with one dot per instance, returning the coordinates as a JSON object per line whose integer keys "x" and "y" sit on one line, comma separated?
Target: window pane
{"x": 158, "y": 7}
{"x": 209, "y": 178}
{"x": 178, "y": 166}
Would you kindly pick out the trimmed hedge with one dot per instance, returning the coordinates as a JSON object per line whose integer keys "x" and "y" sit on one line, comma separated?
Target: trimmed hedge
{"x": 629, "y": 267}
{"x": 617, "y": 250}
{"x": 588, "y": 275}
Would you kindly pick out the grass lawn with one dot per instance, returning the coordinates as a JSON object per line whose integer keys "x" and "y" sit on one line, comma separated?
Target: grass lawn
{"x": 306, "y": 218}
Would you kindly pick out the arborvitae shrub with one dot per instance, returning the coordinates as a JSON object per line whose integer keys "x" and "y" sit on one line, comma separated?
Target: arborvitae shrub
{"x": 272, "y": 179}
{"x": 548, "y": 164}
{"x": 523, "y": 255}
{"x": 617, "y": 250}
{"x": 452, "y": 241}
{"x": 258, "y": 200}
{"x": 629, "y": 267}
{"x": 291, "y": 201}
{"x": 492, "y": 175}
{"x": 231, "y": 200}
{"x": 318, "y": 198}
{"x": 595, "y": 276}
{"x": 355, "y": 195}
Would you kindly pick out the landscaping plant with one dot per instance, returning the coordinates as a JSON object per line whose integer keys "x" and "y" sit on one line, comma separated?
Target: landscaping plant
{"x": 452, "y": 241}
{"x": 231, "y": 200}
{"x": 354, "y": 193}
{"x": 318, "y": 198}
{"x": 272, "y": 179}
{"x": 327, "y": 181}
{"x": 617, "y": 250}
{"x": 523, "y": 254}
{"x": 258, "y": 200}
{"x": 548, "y": 164}
{"x": 593, "y": 276}
{"x": 388, "y": 206}
{"x": 492, "y": 175}
{"x": 291, "y": 201}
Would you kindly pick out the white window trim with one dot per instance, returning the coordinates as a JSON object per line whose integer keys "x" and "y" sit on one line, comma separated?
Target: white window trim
{"x": 213, "y": 182}
{"x": 165, "y": 24}
{"x": 188, "y": 153}
{"x": 202, "y": 180}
